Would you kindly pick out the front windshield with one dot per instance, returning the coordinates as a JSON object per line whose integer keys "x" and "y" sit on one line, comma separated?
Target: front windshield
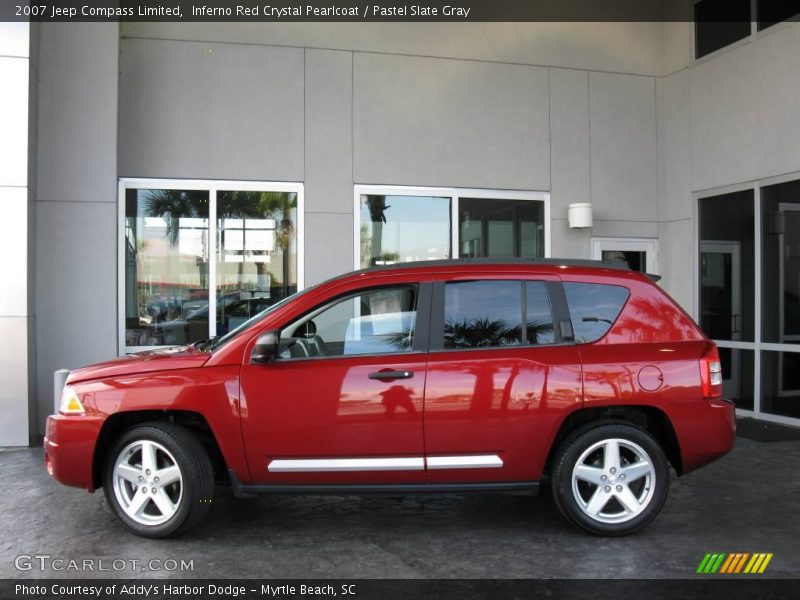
{"x": 217, "y": 342}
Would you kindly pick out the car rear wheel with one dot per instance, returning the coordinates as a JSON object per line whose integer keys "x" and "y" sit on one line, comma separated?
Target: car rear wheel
{"x": 158, "y": 480}
{"x": 611, "y": 479}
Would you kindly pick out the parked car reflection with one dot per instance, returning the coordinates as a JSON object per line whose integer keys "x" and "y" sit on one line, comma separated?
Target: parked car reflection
{"x": 230, "y": 314}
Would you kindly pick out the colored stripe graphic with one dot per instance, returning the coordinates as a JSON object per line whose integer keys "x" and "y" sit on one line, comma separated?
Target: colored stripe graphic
{"x": 703, "y": 563}
{"x": 724, "y": 563}
{"x": 711, "y": 562}
{"x": 751, "y": 564}
{"x": 741, "y": 562}
{"x": 765, "y": 563}
{"x": 732, "y": 560}
{"x": 758, "y": 563}
{"x": 718, "y": 563}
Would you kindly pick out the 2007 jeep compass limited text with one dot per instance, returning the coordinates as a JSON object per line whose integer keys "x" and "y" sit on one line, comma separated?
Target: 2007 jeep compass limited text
{"x": 455, "y": 376}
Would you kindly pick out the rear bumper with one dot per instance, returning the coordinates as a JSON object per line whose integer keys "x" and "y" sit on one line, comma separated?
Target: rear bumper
{"x": 708, "y": 435}
{"x": 69, "y": 447}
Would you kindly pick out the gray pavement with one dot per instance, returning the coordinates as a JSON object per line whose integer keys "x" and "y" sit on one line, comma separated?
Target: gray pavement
{"x": 749, "y": 501}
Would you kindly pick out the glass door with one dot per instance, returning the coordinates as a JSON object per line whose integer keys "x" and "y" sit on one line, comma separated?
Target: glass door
{"x": 721, "y": 301}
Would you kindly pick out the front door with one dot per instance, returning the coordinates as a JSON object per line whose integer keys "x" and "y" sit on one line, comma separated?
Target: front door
{"x": 343, "y": 402}
{"x": 499, "y": 378}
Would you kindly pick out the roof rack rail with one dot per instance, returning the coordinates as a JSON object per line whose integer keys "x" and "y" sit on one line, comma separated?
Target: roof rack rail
{"x": 569, "y": 262}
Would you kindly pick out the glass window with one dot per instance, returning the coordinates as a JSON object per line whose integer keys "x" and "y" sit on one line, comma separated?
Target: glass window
{"x": 538, "y": 314}
{"x": 172, "y": 264}
{"x": 482, "y": 314}
{"x": 780, "y": 263}
{"x": 727, "y": 266}
{"x": 593, "y": 308}
{"x": 633, "y": 259}
{"x": 719, "y": 23}
{"x": 377, "y": 321}
{"x": 737, "y": 376}
{"x": 780, "y": 383}
{"x": 497, "y": 228}
{"x": 166, "y": 266}
{"x": 403, "y": 228}
{"x": 771, "y": 12}
{"x": 256, "y": 251}
{"x": 486, "y": 314}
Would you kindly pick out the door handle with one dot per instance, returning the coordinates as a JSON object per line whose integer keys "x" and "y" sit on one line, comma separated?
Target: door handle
{"x": 391, "y": 375}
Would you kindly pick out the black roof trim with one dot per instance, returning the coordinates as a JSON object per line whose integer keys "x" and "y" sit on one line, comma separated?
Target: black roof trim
{"x": 569, "y": 262}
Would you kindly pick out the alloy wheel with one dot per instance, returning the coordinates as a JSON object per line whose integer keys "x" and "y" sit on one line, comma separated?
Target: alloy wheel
{"x": 613, "y": 481}
{"x": 148, "y": 483}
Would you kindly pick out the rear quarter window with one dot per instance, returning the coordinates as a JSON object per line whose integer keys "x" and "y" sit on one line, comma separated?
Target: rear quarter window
{"x": 593, "y": 308}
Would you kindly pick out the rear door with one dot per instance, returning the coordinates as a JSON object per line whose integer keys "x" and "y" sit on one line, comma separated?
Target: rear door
{"x": 502, "y": 370}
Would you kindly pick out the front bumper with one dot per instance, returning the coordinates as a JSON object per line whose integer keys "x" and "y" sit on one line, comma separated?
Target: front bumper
{"x": 69, "y": 445}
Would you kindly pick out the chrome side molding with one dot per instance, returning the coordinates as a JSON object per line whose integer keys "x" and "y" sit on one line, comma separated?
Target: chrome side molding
{"x": 474, "y": 461}
{"x": 413, "y": 463}
{"x": 331, "y": 465}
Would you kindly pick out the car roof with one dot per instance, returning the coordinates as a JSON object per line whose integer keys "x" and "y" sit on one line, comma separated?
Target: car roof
{"x": 553, "y": 265}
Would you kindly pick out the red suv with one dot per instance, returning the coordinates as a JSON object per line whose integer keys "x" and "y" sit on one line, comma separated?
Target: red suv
{"x": 447, "y": 376}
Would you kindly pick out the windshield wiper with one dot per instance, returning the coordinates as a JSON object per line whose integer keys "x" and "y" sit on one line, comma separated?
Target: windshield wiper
{"x": 206, "y": 344}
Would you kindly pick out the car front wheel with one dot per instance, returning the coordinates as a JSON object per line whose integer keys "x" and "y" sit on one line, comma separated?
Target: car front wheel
{"x": 158, "y": 480}
{"x": 611, "y": 479}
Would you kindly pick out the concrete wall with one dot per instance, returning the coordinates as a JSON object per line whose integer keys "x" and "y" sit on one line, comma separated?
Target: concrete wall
{"x": 727, "y": 120}
{"x": 14, "y": 201}
{"x": 76, "y": 195}
{"x": 744, "y": 111}
{"x": 633, "y": 48}
{"x": 386, "y": 111}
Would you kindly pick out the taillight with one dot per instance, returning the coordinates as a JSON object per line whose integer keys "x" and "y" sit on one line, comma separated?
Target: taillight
{"x": 711, "y": 373}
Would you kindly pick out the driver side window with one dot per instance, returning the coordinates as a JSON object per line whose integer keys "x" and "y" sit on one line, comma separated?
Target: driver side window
{"x": 375, "y": 321}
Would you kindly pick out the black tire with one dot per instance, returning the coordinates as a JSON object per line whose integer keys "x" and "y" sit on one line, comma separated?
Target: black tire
{"x": 196, "y": 487}
{"x": 652, "y": 492}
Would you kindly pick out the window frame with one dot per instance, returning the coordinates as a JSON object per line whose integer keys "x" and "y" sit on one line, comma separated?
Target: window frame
{"x": 758, "y": 345}
{"x": 647, "y": 245}
{"x": 450, "y": 192}
{"x": 422, "y": 319}
{"x": 755, "y": 34}
{"x": 212, "y": 186}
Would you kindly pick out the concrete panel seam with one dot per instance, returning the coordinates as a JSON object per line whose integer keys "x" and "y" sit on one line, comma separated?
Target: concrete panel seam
{"x": 376, "y": 52}
{"x": 596, "y": 220}
{"x": 112, "y": 201}
{"x": 589, "y": 121}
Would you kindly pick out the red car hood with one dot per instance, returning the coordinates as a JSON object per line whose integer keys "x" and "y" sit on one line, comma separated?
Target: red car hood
{"x": 182, "y": 357}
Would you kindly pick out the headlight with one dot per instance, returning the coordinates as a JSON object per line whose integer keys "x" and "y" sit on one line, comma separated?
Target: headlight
{"x": 70, "y": 403}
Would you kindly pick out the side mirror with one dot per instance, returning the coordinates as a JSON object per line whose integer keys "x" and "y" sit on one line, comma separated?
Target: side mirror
{"x": 266, "y": 347}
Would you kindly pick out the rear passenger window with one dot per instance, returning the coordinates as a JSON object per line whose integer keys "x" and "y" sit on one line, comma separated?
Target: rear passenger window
{"x": 593, "y": 308}
{"x": 487, "y": 314}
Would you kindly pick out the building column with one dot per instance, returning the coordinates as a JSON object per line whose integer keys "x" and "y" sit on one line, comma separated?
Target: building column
{"x": 76, "y": 201}
{"x": 14, "y": 196}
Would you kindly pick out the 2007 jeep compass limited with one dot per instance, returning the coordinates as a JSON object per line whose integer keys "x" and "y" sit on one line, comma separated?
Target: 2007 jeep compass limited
{"x": 454, "y": 376}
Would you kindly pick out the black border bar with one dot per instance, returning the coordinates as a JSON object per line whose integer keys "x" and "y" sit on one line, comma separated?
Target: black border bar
{"x": 360, "y": 10}
{"x": 730, "y": 587}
